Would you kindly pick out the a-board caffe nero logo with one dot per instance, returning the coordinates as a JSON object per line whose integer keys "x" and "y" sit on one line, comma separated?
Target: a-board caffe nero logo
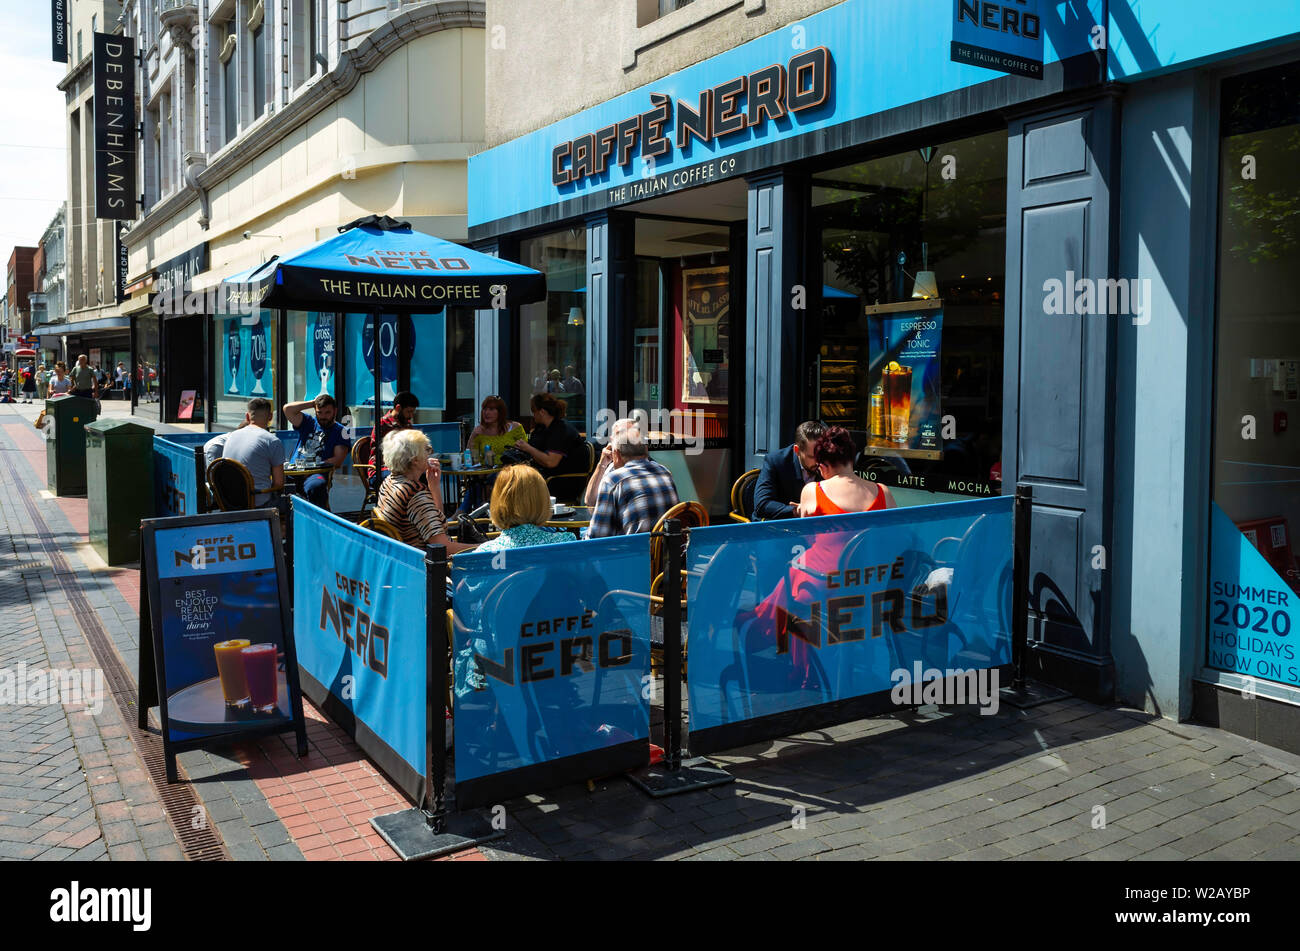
{"x": 559, "y": 646}
{"x": 765, "y": 95}
{"x": 214, "y": 551}
{"x": 349, "y": 614}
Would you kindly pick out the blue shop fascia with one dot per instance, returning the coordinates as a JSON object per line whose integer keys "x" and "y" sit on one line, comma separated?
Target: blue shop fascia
{"x": 943, "y": 161}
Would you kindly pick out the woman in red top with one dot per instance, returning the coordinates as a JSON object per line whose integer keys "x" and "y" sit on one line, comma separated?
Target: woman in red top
{"x": 840, "y": 492}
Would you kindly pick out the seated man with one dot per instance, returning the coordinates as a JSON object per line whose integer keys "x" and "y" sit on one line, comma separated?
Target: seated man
{"x": 637, "y": 491}
{"x": 401, "y": 416}
{"x": 321, "y": 439}
{"x": 604, "y": 463}
{"x": 262, "y": 454}
{"x": 785, "y": 473}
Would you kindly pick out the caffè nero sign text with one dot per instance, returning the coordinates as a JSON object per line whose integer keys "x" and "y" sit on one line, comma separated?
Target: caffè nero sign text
{"x": 770, "y": 94}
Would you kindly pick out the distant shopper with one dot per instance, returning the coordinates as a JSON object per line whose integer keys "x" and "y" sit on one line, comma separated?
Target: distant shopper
{"x": 636, "y": 494}
{"x": 61, "y": 382}
{"x": 42, "y": 381}
{"x": 261, "y": 453}
{"x": 29, "y": 383}
{"x": 785, "y": 473}
{"x": 84, "y": 382}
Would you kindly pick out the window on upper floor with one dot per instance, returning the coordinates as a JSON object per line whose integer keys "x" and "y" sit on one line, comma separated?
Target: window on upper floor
{"x": 647, "y": 11}
{"x": 304, "y": 41}
{"x": 227, "y": 68}
{"x": 257, "y": 27}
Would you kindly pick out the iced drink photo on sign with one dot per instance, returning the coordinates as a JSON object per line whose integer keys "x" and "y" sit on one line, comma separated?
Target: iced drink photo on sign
{"x": 260, "y": 671}
{"x": 898, "y": 402}
{"x": 230, "y": 669}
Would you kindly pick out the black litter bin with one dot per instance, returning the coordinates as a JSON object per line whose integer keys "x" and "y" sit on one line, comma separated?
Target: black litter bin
{"x": 119, "y": 483}
{"x": 65, "y": 451}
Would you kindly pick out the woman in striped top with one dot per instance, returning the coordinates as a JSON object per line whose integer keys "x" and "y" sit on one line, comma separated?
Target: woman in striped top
{"x": 404, "y": 502}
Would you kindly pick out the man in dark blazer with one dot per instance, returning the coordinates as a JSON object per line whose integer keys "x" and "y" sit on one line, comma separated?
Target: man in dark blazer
{"x": 785, "y": 473}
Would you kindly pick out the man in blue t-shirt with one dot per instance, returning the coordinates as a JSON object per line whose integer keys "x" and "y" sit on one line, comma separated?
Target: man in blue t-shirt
{"x": 321, "y": 440}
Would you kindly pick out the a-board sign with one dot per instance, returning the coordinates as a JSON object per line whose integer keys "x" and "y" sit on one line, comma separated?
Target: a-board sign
{"x": 216, "y": 638}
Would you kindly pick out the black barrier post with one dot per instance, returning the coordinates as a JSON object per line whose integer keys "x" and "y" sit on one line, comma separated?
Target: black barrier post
{"x": 672, "y": 645}
{"x": 675, "y": 775}
{"x": 435, "y": 579}
{"x": 432, "y": 830}
{"x": 200, "y": 481}
{"x": 1023, "y": 693}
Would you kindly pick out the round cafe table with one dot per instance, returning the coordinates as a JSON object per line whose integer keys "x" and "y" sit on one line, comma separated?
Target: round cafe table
{"x": 462, "y": 474}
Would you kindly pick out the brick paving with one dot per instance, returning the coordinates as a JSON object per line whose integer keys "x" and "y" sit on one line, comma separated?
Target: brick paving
{"x": 1069, "y": 780}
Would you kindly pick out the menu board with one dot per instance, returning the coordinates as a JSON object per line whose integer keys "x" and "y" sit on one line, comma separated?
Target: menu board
{"x": 905, "y": 418}
{"x": 214, "y": 606}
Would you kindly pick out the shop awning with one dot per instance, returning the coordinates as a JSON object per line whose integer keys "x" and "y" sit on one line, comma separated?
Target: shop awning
{"x": 82, "y": 326}
{"x": 381, "y": 264}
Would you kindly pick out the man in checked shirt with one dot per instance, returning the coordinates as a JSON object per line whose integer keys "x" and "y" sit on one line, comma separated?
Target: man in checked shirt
{"x": 635, "y": 493}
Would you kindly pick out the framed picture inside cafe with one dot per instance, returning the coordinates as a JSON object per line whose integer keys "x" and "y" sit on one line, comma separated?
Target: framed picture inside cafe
{"x": 905, "y": 345}
{"x": 706, "y": 332}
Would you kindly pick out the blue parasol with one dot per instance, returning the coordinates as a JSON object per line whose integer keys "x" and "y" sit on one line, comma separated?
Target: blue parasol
{"x": 376, "y": 263}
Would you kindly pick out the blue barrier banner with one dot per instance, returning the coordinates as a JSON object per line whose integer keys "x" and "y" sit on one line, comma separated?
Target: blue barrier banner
{"x": 174, "y": 477}
{"x": 359, "y": 625}
{"x": 551, "y": 649}
{"x": 789, "y": 622}
{"x": 1254, "y": 620}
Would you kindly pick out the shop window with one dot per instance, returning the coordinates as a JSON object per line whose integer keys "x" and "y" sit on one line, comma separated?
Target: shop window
{"x": 426, "y": 342}
{"x": 553, "y": 332}
{"x": 682, "y": 333}
{"x": 913, "y": 249}
{"x": 144, "y": 378}
{"x": 257, "y": 50}
{"x": 1254, "y": 575}
{"x": 243, "y": 364}
{"x": 309, "y": 355}
{"x": 460, "y": 365}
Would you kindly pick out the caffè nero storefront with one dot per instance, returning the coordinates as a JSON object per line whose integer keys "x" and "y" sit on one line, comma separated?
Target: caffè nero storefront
{"x": 847, "y": 214}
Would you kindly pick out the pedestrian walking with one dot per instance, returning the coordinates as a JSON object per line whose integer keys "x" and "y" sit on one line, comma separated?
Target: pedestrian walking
{"x": 42, "y": 381}
{"x": 29, "y": 383}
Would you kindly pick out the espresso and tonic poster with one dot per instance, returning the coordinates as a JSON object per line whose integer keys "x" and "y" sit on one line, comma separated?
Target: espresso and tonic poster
{"x": 706, "y": 331}
{"x": 222, "y": 631}
{"x": 906, "y": 416}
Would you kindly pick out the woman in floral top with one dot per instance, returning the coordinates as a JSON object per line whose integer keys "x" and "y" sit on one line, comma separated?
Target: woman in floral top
{"x": 519, "y": 505}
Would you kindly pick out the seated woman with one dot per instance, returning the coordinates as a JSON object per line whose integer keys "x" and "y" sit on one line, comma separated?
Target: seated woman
{"x": 554, "y": 445}
{"x": 415, "y": 511}
{"x": 494, "y": 431}
{"x": 520, "y": 504}
{"x": 840, "y": 492}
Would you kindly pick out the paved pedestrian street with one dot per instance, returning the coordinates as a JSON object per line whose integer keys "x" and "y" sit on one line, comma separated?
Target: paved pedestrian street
{"x": 1068, "y": 780}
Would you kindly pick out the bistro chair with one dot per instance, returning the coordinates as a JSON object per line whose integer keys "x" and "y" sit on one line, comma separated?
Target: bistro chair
{"x": 232, "y": 485}
{"x": 570, "y": 486}
{"x": 362, "y": 467}
{"x": 377, "y": 524}
{"x": 742, "y": 497}
{"x": 691, "y": 515}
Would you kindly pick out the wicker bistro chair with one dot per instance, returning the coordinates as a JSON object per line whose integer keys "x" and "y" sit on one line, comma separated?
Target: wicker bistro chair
{"x": 691, "y": 515}
{"x": 232, "y": 485}
{"x": 569, "y": 487}
{"x": 362, "y": 467}
{"x": 377, "y": 524}
{"x": 742, "y": 497}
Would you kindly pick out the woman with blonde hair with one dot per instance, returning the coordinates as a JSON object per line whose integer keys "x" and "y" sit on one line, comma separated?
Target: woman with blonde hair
{"x": 520, "y": 504}
{"x": 404, "y": 502}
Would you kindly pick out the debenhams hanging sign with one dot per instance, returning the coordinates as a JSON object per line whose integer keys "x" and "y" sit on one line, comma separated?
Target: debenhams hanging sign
{"x": 114, "y": 127}
{"x": 771, "y": 94}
